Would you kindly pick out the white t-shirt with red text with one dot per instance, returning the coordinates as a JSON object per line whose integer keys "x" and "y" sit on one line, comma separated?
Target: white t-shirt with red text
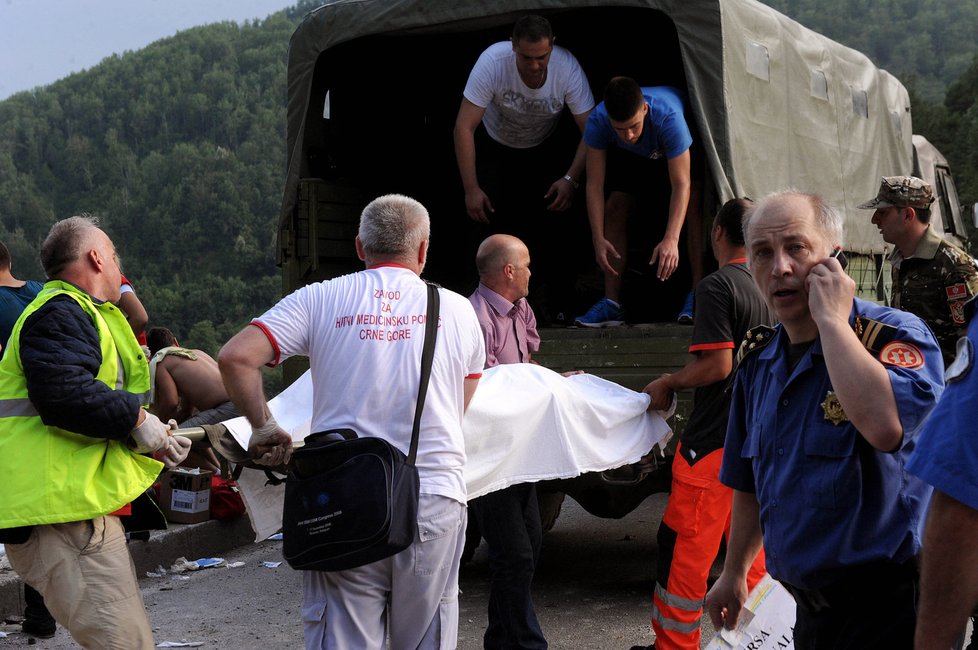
{"x": 363, "y": 334}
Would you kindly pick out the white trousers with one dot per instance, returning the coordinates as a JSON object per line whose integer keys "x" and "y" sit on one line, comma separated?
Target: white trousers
{"x": 412, "y": 596}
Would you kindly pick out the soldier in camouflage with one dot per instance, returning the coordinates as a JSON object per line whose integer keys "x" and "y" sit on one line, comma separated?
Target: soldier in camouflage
{"x": 932, "y": 278}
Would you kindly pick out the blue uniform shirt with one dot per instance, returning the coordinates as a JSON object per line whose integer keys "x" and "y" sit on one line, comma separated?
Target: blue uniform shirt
{"x": 947, "y": 452}
{"x": 828, "y": 499}
{"x": 665, "y": 132}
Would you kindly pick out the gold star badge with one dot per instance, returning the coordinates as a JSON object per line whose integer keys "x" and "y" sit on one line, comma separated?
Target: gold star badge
{"x": 833, "y": 409}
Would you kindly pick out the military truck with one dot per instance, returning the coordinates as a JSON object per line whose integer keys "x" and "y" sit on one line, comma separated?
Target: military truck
{"x": 374, "y": 87}
{"x": 947, "y": 213}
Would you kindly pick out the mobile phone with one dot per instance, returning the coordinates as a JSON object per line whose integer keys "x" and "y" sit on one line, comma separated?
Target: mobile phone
{"x": 839, "y": 255}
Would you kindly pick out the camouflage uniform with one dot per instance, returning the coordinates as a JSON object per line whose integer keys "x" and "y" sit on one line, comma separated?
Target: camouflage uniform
{"x": 939, "y": 278}
{"x": 934, "y": 283}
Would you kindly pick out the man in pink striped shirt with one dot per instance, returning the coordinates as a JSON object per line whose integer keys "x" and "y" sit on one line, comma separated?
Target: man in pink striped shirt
{"x": 509, "y": 519}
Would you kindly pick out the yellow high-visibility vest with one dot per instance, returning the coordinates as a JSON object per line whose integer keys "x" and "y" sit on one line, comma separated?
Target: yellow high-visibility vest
{"x": 51, "y": 475}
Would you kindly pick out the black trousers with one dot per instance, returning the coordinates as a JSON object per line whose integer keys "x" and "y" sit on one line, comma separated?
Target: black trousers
{"x": 873, "y": 607}
{"x": 516, "y": 181}
{"x": 510, "y": 523}
{"x": 35, "y": 611}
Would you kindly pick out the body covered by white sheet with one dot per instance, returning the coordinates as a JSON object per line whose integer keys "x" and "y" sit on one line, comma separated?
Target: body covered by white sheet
{"x": 525, "y": 423}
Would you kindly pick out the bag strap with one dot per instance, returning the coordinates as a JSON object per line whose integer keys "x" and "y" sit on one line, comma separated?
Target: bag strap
{"x": 427, "y": 355}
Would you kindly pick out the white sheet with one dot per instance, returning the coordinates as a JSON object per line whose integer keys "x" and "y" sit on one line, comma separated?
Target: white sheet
{"x": 525, "y": 423}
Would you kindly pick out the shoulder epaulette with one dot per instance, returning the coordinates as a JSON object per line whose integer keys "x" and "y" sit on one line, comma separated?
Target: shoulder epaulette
{"x": 755, "y": 339}
{"x": 873, "y": 334}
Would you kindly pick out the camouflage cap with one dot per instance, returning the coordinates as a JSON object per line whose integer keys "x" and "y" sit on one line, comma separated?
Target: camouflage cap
{"x": 901, "y": 192}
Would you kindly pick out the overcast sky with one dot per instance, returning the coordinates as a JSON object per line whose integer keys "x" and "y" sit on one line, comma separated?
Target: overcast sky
{"x": 42, "y": 41}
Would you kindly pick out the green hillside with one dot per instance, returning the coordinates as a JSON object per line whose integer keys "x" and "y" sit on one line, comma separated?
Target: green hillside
{"x": 179, "y": 148}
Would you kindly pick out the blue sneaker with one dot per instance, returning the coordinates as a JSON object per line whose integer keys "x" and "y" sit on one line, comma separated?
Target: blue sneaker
{"x": 686, "y": 315}
{"x": 604, "y": 313}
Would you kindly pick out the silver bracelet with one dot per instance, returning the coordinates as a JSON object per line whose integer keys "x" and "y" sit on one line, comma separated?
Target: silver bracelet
{"x": 570, "y": 180}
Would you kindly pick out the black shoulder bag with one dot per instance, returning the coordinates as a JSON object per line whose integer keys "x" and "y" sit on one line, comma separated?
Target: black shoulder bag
{"x": 350, "y": 501}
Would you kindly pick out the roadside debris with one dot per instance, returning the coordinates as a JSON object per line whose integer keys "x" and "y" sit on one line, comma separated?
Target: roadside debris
{"x": 159, "y": 573}
{"x": 182, "y": 564}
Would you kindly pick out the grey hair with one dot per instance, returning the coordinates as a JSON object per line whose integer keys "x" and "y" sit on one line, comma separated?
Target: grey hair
{"x": 393, "y": 226}
{"x": 828, "y": 220}
{"x": 65, "y": 243}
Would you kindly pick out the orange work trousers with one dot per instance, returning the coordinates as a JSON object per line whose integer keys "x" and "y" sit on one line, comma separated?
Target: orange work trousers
{"x": 697, "y": 517}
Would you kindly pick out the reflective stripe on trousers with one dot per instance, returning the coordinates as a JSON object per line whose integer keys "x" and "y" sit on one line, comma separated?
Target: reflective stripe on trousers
{"x": 697, "y": 518}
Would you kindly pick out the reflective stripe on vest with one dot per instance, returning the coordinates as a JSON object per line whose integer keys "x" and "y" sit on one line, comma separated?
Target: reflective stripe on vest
{"x": 19, "y": 407}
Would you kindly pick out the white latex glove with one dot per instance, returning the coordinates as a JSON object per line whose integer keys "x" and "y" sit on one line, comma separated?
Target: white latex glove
{"x": 177, "y": 451}
{"x": 149, "y": 436}
{"x": 270, "y": 445}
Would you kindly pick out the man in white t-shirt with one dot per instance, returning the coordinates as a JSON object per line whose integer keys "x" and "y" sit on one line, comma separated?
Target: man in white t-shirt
{"x": 518, "y": 90}
{"x": 363, "y": 334}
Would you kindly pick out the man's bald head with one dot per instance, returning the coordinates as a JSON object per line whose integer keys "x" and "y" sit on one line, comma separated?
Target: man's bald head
{"x": 496, "y": 251}
{"x": 503, "y": 262}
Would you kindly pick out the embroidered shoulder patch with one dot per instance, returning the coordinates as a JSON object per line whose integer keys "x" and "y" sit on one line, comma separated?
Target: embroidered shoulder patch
{"x": 957, "y": 312}
{"x": 902, "y": 355}
{"x": 957, "y": 291}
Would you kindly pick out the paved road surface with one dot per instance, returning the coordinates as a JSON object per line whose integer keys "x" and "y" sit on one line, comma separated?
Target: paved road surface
{"x": 592, "y": 591}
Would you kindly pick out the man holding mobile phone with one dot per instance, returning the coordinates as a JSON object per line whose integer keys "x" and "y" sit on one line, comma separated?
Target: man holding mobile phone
{"x": 825, "y": 410}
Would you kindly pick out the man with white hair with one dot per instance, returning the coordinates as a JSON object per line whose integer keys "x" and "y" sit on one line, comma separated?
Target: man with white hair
{"x": 363, "y": 334}
{"x": 825, "y": 411}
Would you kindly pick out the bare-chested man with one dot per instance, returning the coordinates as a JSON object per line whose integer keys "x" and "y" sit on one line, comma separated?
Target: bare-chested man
{"x": 187, "y": 384}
